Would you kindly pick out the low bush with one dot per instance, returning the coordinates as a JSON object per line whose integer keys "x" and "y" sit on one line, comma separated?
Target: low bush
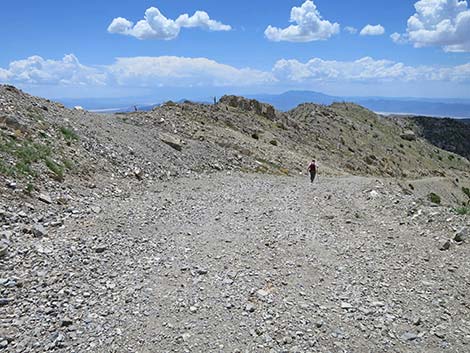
{"x": 55, "y": 168}
{"x": 434, "y": 198}
{"x": 466, "y": 191}
{"x": 68, "y": 133}
{"x": 464, "y": 210}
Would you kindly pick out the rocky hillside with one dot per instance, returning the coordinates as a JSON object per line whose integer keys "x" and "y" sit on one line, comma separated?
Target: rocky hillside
{"x": 235, "y": 134}
{"x": 44, "y": 144}
{"x": 449, "y": 134}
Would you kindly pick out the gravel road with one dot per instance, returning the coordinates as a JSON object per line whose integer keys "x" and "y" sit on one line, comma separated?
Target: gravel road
{"x": 243, "y": 263}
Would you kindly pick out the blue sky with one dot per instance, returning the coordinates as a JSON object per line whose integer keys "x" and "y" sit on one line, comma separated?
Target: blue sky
{"x": 241, "y": 47}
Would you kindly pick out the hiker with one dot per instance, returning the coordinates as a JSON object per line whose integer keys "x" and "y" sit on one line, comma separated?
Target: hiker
{"x": 312, "y": 169}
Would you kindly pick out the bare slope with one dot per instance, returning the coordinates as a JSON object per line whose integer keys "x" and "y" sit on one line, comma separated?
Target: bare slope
{"x": 246, "y": 262}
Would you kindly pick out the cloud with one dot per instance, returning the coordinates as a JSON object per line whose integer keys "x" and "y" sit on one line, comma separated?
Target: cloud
{"x": 36, "y": 70}
{"x": 156, "y": 26}
{"x": 399, "y": 38}
{"x": 443, "y": 23}
{"x": 351, "y": 30}
{"x": 180, "y": 71}
{"x": 371, "y": 30}
{"x": 4, "y": 75}
{"x": 309, "y": 26}
{"x": 201, "y": 19}
{"x": 169, "y": 71}
{"x": 366, "y": 70}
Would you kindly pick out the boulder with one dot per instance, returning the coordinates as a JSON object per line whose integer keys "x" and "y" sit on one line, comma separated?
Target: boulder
{"x": 462, "y": 235}
{"x": 444, "y": 245}
{"x": 39, "y": 231}
{"x": 409, "y": 135}
{"x": 12, "y": 123}
{"x": 4, "y": 242}
{"x": 172, "y": 141}
{"x": 45, "y": 198}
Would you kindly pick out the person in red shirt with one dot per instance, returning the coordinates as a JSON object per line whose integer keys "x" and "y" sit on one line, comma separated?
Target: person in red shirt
{"x": 312, "y": 169}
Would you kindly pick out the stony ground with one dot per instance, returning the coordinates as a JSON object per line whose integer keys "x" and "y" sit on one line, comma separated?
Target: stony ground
{"x": 236, "y": 263}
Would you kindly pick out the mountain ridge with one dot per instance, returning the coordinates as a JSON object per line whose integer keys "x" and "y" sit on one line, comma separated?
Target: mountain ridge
{"x": 436, "y": 107}
{"x": 337, "y": 134}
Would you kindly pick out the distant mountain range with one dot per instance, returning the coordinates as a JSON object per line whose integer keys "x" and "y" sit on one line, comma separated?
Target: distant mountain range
{"x": 458, "y": 108}
{"x": 455, "y": 108}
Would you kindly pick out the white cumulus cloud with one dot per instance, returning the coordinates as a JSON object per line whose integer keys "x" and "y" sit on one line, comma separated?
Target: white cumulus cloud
{"x": 309, "y": 26}
{"x": 443, "y": 23}
{"x": 181, "y": 71}
{"x": 156, "y": 26}
{"x": 67, "y": 71}
{"x": 366, "y": 70}
{"x": 372, "y": 30}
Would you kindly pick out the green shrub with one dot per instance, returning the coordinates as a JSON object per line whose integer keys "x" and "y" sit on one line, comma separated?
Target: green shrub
{"x": 466, "y": 191}
{"x": 273, "y": 142}
{"x": 68, "y": 133}
{"x": 24, "y": 168}
{"x": 434, "y": 198}
{"x": 464, "y": 210}
{"x": 68, "y": 164}
{"x": 55, "y": 168}
{"x": 29, "y": 189}
{"x": 5, "y": 169}
{"x": 255, "y": 136}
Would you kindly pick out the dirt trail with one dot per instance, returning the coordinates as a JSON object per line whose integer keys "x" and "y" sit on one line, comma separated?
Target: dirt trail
{"x": 254, "y": 263}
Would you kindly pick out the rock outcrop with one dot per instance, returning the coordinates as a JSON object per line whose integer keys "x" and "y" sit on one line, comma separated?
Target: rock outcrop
{"x": 250, "y": 105}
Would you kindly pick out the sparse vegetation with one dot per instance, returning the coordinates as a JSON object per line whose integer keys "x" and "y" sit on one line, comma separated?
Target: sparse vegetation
{"x": 24, "y": 168}
{"x": 68, "y": 133}
{"x": 280, "y": 125}
{"x": 29, "y": 189}
{"x": 5, "y": 169}
{"x": 35, "y": 113}
{"x": 55, "y": 168}
{"x": 284, "y": 171}
{"x": 464, "y": 210}
{"x": 466, "y": 191}
{"x": 68, "y": 164}
{"x": 23, "y": 155}
{"x": 434, "y": 198}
